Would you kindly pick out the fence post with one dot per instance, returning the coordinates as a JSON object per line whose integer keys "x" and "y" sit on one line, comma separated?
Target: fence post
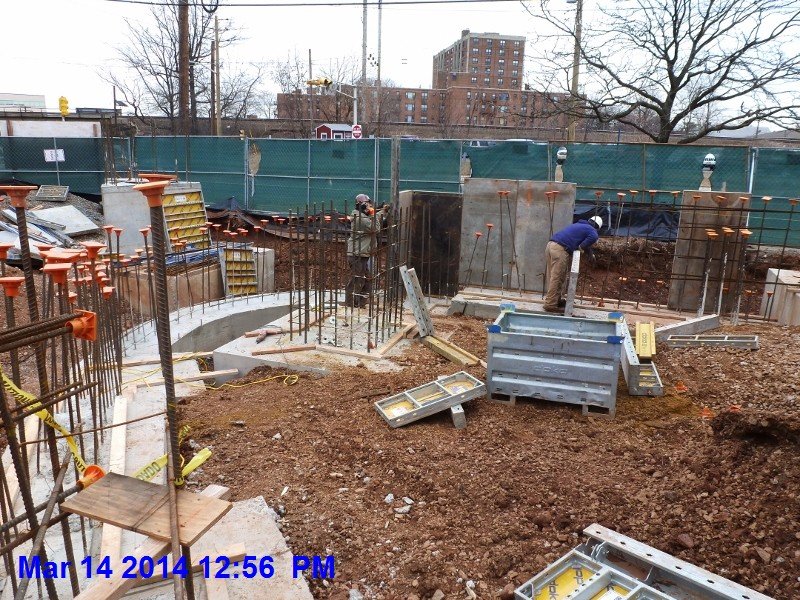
{"x": 644, "y": 169}
{"x": 376, "y": 167}
{"x": 308, "y": 175}
{"x": 55, "y": 151}
{"x": 246, "y": 149}
{"x": 753, "y": 165}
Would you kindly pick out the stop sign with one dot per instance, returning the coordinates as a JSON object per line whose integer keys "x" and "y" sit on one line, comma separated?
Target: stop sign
{"x": 356, "y": 132}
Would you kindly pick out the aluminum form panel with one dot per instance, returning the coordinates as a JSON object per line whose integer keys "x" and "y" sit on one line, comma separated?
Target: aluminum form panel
{"x": 430, "y": 398}
{"x": 749, "y": 342}
{"x": 642, "y": 379}
{"x": 417, "y": 301}
{"x": 561, "y": 359}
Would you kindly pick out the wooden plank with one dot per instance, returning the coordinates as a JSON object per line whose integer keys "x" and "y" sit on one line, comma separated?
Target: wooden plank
{"x": 645, "y": 341}
{"x": 217, "y": 589}
{"x": 155, "y": 360}
{"x": 347, "y": 352}
{"x": 142, "y": 507}
{"x": 450, "y": 351}
{"x": 115, "y": 586}
{"x": 111, "y": 540}
{"x": 281, "y": 350}
{"x": 398, "y": 335}
{"x": 189, "y": 378}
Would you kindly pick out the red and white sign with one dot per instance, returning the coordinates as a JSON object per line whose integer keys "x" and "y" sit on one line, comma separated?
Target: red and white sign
{"x": 356, "y": 132}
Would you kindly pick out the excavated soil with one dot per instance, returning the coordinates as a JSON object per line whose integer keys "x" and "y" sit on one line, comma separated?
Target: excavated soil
{"x": 496, "y": 502}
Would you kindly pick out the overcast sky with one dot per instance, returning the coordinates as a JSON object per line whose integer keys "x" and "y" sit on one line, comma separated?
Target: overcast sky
{"x": 57, "y": 47}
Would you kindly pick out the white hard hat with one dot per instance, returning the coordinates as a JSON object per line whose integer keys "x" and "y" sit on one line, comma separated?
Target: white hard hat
{"x": 597, "y": 221}
{"x": 362, "y": 199}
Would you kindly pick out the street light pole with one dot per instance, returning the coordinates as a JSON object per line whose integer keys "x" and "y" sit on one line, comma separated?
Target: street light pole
{"x": 576, "y": 57}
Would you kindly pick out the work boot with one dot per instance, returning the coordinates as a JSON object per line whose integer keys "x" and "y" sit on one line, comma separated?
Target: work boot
{"x": 562, "y": 303}
{"x": 553, "y": 309}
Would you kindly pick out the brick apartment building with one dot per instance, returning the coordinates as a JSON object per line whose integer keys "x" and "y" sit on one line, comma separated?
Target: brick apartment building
{"x": 477, "y": 81}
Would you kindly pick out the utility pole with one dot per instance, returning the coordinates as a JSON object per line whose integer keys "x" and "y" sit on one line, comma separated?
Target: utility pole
{"x": 310, "y": 98}
{"x": 576, "y": 57}
{"x": 380, "y": 17}
{"x": 183, "y": 66}
{"x": 216, "y": 81}
{"x": 213, "y": 114}
{"x": 363, "y": 57}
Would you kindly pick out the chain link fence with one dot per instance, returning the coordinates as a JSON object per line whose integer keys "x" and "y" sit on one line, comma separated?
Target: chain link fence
{"x": 278, "y": 175}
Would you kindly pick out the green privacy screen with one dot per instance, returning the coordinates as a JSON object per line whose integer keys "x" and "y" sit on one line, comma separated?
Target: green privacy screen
{"x": 277, "y": 175}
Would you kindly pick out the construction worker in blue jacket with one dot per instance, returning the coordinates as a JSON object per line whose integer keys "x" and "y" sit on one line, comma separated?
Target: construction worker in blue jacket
{"x": 578, "y": 236}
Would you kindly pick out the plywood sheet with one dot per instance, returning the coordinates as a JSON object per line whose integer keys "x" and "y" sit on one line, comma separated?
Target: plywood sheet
{"x": 142, "y": 507}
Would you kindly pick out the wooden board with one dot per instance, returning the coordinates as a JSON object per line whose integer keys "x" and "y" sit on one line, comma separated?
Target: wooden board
{"x": 111, "y": 540}
{"x": 116, "y": 586}
{"x": 450, "y": 351}
{"x": 142, "y": 507}
{"x": 398, "y": 335}
{"x": 281, "y": 350}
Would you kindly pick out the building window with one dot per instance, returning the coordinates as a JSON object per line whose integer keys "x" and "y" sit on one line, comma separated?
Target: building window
{"x": 474, "y": 60}
{"x": 501, "y": 71}
{"x": 514, "y": 63}
{"x": 467, "y": 120}
{"x": 494, "y": 97}
{"x": 501, "y": 61}
{"x": 474, "y": 40}
{"x": 514, "y": 73}
{"x": 513, "y": 82}
{"x": 474, "y": 70}
{"x": 488, "y": 70}
{"x": 469, "y": 95}
{"x": 410, "y": 95}
{"x": 486, "y": 80}
{"x": 502, "y": 43}
{"x": 475, "y": 50}
{"x": 500, "y": 81}
{"x": 483, "y": 106}
{"x": 516, "y": 52}
{"x": 488, "y": 51}
{"x": 523, "y": 109}
{"x": 474, "y": 80}
{"x": 502, "y": 122}
{"x": 489, "y": 42}
{"x": 488, "y": 62}
{"x": 503, "y": 109}
{"x": 424, "y": 108}
{"x": 424, "y": 95}
{"x": 423, "y": 119}
{"x": 409, "y": 107}
{"x": 524, "y": 98}
{"x": 516, "y": 44}
{"x": 409, "y": 118}
{"x": 503, "y": 97}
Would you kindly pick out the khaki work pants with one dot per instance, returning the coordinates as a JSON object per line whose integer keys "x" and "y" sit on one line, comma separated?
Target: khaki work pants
{"x": 558, "y": 262}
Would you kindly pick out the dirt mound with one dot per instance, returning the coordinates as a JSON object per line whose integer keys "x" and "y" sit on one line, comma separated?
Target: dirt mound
{"x": 757, "y": 427}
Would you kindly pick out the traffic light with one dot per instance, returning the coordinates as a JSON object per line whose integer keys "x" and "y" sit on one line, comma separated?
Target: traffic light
{"x": 63, "y": 106}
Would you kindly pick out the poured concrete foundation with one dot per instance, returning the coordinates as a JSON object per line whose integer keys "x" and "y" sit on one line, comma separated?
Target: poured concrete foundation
{"x": 781, "y": 300}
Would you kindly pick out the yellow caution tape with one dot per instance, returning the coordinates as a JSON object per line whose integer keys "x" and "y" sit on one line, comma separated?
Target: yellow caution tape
{"x": 153, "y": 468}
{"x": 29, "y": 401}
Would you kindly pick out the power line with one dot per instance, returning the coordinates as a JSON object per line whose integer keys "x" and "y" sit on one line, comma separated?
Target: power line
{"x": 304, "y": 4}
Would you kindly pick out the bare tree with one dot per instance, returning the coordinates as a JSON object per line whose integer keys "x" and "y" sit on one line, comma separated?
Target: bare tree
{"x": 657, "y": 65}
{"x": 148, "y": 81}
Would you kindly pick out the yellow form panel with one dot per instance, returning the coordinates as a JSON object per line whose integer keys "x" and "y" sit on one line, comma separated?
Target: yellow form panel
{"x": 613, "y": 591}
{"x": 565, "y": 583}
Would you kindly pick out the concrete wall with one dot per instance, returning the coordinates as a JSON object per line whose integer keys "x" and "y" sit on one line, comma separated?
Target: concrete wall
{"x": 526, "y": 222}
{"x": 781, "y": 300}
{"x": 51, "y": 128}
{"x": 127, "y": 208}
{"x": 707, "y": 210}
{"x": 180, "y": 291}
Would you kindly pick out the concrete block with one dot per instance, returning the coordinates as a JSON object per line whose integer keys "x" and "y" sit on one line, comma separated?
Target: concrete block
{"x": 459, "y": 418}
{"x": 524, "y": 223}
{"x": 180, "y": 291}
{"x": 707, "y": 210}
{"x": 775, "y": 292}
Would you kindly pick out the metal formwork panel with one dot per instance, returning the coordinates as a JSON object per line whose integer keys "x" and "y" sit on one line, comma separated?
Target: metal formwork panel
{"x": 561, "y": 359}
{"x": 642, "y": 379}
{"x": 749, "y": 342}
{"x": 425, "y": 400}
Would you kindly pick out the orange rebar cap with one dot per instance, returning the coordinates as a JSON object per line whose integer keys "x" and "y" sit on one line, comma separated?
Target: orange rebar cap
{"x": 93, "y": 248}
{"x": 153, "y": 191}
{"x": 4, "y": 248}
{"x": 18, "y": 194}
{"x": 11, "y": 285}
{"x": 57, "y": 272}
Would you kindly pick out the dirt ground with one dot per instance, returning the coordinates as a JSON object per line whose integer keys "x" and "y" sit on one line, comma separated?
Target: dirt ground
{"x": 498, "y": 501}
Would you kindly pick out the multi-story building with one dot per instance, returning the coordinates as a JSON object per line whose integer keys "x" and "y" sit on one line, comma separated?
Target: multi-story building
{"x": 477, "y": 81}
{"x": 481, "y": 60}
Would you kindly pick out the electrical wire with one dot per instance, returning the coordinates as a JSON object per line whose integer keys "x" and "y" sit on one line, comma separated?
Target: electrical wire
{"x": 302, "y": 4}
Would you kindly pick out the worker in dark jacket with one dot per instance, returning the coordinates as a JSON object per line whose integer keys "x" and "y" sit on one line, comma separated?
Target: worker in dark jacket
{"x": 578, "y": 236}
{"x": 362, "y": 245}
